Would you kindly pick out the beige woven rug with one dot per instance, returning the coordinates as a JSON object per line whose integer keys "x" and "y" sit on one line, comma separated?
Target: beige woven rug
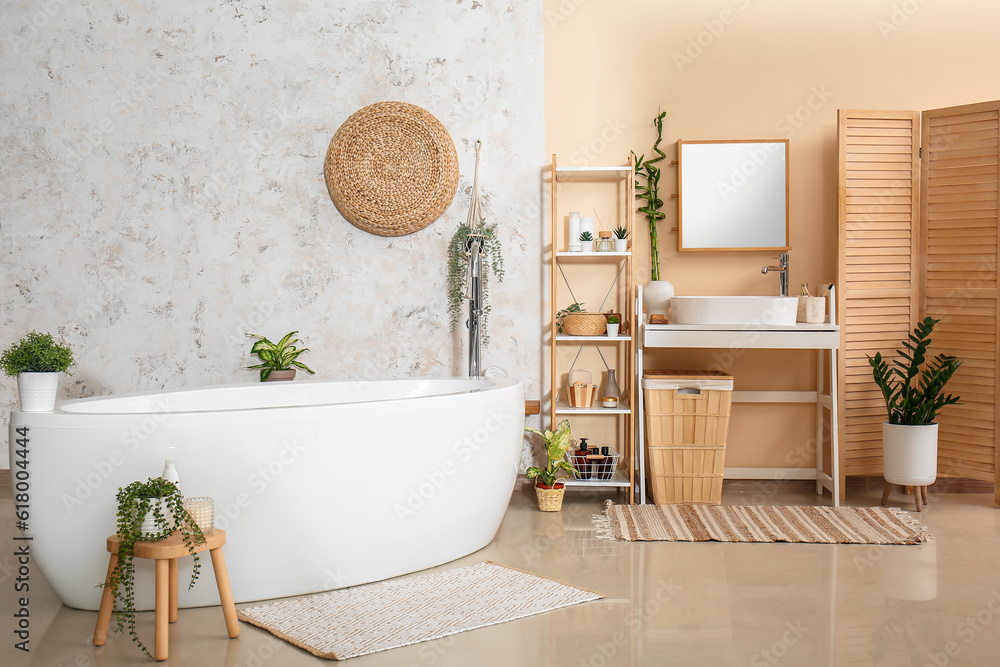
{"x": 742, "y": 523}
{"x": 356, "y": 621}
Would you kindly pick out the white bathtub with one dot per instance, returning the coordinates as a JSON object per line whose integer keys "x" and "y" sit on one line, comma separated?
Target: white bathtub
{"x": 319, "y": 485}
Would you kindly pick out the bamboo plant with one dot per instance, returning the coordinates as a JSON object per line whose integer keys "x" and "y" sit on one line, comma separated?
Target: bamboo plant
{"x": 910, "y": 400}
{"x": 650, "y": 194}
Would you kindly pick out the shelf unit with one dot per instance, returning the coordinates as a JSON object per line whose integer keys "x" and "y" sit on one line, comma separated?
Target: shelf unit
{"x": 564, "y": 266}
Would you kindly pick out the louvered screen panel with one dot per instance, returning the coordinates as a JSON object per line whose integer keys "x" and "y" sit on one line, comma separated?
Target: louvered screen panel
{"x": 961, "y": 213}
{"x": 878, "y": 209}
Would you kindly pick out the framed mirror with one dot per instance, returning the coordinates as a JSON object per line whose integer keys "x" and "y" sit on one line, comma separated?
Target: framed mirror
{"x": 732, "y": 195}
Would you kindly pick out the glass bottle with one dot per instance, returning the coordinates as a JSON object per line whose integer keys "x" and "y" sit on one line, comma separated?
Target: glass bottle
{"x": 610, "y": 388}
{"x": 605, "y": 244}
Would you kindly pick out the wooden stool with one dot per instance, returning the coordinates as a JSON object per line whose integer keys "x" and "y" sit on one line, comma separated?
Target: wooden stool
{"x": 919, "y": 495}
{"x": 165, "y": 553}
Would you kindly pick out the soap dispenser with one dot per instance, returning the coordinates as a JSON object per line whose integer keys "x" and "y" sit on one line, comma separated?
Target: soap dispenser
{"x": 170, "y": 469}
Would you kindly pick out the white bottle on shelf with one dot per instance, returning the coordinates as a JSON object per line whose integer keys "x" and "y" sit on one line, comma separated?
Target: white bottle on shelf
{"x": 170, "y": 469}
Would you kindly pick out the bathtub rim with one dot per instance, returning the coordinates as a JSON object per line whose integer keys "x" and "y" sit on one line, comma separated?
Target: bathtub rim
{"x": 489, "y": 384}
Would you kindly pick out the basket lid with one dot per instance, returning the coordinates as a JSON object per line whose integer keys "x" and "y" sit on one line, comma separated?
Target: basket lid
{"x": 686, "y": 375}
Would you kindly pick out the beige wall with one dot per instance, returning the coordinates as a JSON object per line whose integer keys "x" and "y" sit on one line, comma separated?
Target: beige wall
{"x": 746, "y": 69}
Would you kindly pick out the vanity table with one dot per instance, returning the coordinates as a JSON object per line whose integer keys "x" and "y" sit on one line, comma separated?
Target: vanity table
{"x": 819, "y": 337}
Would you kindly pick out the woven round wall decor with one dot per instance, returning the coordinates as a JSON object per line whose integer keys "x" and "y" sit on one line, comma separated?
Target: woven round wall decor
{"x": 391, "y": 169}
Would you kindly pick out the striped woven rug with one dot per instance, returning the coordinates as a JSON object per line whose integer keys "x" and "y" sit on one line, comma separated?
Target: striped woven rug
{"x": 743, "y": 523}
{"x": 397, "y": 612}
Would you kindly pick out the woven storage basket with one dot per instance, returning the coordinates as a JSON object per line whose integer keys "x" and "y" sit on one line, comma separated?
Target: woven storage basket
{"x": 687, "y": 425}
{"x": 391, "y": 169}
{"x": 550, "y": 500}
{"x": 584, "y": 324}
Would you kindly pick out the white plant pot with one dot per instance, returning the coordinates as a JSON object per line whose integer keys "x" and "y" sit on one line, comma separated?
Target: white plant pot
{"x": 621, "y": 245}
{"x": 909, "y": 454}
{"x": 656, "y": 296}
{"x": 37, "y": 391}
{"x": 149, "y": 526}
{"x": 612, "y": 329}
{"x": 587, "y": 246}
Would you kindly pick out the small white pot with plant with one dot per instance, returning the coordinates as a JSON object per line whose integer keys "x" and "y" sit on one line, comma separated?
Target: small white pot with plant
{"x": 587, "y": 241}
{"x": 913, "y": 398}
{"x": 38, "y": 362}
{"x": 621, "y": 239}
{"x": 613, "y": 322}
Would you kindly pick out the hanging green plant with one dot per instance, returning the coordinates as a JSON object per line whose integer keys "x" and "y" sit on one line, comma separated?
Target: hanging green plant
{"x": 134, "y": 502}
{"x": 650, "y": 194}
{"x": 458, "y": 269}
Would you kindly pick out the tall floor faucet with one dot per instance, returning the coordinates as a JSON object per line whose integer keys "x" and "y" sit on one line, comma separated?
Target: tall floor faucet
{"x": 473, "y": 245}
{"x": 782, "y": 270}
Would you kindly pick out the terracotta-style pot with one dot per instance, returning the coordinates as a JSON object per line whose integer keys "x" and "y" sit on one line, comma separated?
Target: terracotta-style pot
{"x": 550, "y": 497}
{"x": 281, "y": 376}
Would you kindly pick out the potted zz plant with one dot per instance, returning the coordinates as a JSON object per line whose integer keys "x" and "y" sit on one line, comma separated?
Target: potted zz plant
{"x": 37, "y": 360}
{"x": 548, "y": 486}
{"x": 913, "y": 398}
{"x": 278, "y": 359}
{"x": 147, "y": 511}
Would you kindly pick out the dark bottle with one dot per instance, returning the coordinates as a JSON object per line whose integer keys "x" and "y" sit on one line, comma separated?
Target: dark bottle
{"x": 580, "y": 460}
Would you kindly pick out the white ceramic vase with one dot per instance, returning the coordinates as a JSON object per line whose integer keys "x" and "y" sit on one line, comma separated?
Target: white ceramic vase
{"x": 909, "y": 454}
{"x": 656, "y": 295}
{"x": 37, "y": 391}
{"x": 612, "y": 329}
{"x": 587, "y": 246}
{"x": 149, "y": 526}
{"x": 621, "y": 245}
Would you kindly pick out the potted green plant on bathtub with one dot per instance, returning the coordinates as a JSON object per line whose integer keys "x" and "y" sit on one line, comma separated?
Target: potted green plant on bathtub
{"x": 548, "y": 487}
{"x": 278, "y": 361}
{"x": 913, "y": 398}
{"x": 147, "y": 511}
{"x": 38, "y": 361}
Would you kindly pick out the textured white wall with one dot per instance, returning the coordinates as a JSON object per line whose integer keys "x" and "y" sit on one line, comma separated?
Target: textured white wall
{"x": 162, "y": 192}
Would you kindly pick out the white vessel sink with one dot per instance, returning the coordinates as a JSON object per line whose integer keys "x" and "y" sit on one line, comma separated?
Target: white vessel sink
{"x": 734, "y": 310}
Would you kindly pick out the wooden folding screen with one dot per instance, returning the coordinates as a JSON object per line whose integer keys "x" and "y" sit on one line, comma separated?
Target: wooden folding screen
{"x": 919, "y": 236}
{"x": 878, "y": 283}
{"x": 960, "y": 213}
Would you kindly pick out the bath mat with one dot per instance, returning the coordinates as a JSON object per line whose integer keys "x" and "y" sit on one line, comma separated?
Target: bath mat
{"x": 356, "y": 621}
{"x": 743, "y": 523}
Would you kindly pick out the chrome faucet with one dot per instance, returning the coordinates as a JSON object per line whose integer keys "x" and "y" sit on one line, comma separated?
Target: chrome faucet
{"x": 473, "y": 246}
{"x": 782, "y": 270}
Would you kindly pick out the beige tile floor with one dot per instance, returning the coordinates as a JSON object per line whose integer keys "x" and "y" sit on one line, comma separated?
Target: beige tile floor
{"x": 666, "y": 604}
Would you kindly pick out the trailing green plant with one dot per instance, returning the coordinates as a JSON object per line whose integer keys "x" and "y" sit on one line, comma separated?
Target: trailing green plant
{"x": 621, "y": 232}
{"x": 280, "y": 356}
{"x": 586, "y": 236}
{"x": 37, "y": 353}
{"x": 458, "y": 269}
{"x": 613, "y": 319}
{"x": 650, "y": 194}
{"x": 134, "y": 502}
{"x": 557, "y": 443}
{"x": 561, "y": 315}
{"x": 910, "y": 400}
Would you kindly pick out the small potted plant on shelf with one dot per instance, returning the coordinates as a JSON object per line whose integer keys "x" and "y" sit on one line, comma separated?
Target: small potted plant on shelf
{"x": 587, "y": 241}
{"x": 37, "y": 360}
{"x": 613, "y": 322}
{"x": 621, "y": 239}
{"x": 548, "y": 486}
{"x": 278, "y": 359}
{"x": 147, "y": 511}
{"x": 913, "y": 398}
